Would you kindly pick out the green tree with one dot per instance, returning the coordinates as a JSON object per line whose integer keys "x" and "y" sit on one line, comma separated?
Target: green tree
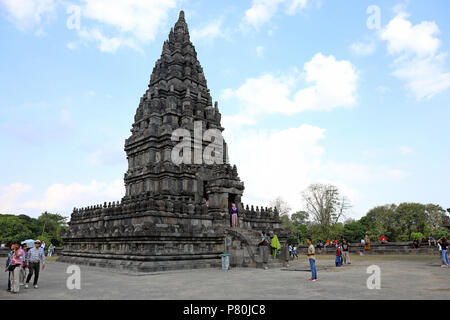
{"x": 325, "y": 205}
{"x": 14, "y": 228}
{"x": 354, "y": 231}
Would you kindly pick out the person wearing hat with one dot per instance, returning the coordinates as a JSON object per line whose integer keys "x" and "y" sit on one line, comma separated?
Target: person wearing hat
{"x": 34, "y": 257}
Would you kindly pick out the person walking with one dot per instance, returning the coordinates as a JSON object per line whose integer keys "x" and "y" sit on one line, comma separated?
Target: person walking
{"x": 440, "y": 251}
{"x": 345, "y": 252}
{"x": 311, "y": 254}
{"x": 23, "y": 270}
{"x": 8, "y": 263}
{"x": 15, "y": 266}
{"x": 339, "y": 256}
{"x": 35, "y": 256}
{"x": 294, "y": 252}
{"x": 444, "y": 247}
{"x": 51, "y": 248}
{"x": 234, "y": 215}
{"x": 290, "y": 250}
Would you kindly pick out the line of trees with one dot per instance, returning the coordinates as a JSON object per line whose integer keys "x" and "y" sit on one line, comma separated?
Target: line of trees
{"x": 47, "y": 227}
{"x": 324, "y": 219}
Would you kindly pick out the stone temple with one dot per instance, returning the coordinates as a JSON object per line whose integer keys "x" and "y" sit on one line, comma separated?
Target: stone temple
{"x": 172, "y": 216}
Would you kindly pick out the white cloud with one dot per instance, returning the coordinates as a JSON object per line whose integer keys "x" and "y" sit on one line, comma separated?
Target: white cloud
{"x": 405, "y": 150}
{"x": 61, "y": 198}
{"x": 141, "y": 18}
{"x": 262, "y": 11}
{"x": 104, "y": 43}
{"x": 418, "y": 60}
{"x": 109, "y": 154}
{"x": 11, "y": 195}
{"x": 332, "y": 84}
{"x": 274, "y": 163}
{"x": 208, "y": 32}
{"x": 260, "y": 51}
{"x": 28, "y": 14}
{"x": 355, "y": 172}
{"x": 284, "y": 162}
{"x": 113, "y": 24}
{"x": 362, "y": 49}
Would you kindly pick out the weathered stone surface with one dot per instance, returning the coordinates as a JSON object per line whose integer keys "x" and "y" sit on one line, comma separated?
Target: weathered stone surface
{"x": 172, "y": 216}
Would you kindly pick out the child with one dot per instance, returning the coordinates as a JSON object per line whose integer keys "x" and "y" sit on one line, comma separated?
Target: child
{"x": 339, "y": 255}
{"x": 294, "y": 252}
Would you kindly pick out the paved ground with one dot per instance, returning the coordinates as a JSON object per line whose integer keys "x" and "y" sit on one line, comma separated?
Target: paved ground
{"x": 402, "y": 277}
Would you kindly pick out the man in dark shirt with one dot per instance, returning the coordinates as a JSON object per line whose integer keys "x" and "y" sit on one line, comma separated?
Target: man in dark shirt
{"x": 345, "y": 252}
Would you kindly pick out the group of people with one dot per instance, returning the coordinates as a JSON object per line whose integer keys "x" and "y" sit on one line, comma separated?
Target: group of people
{"x": 431, "y": 241}
{"x": 20, "y": 259}
{"x": 270, "y": 241}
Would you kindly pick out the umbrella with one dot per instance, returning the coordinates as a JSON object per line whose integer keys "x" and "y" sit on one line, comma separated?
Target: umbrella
{"x": 29, "y": 243}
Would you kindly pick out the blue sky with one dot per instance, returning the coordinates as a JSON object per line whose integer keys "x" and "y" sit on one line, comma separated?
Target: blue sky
{"x": 310, "y": 91}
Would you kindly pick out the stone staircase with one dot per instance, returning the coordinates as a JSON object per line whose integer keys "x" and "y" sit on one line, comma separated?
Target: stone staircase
{"x": 242, "y": 244}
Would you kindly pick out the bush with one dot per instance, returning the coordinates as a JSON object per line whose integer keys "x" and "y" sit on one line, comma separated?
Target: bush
{"x": 441, "y": 233}
{"x": 417, "y": 235}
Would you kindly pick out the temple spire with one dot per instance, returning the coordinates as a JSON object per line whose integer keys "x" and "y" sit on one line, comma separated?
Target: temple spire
{"x": 181, "y": 16}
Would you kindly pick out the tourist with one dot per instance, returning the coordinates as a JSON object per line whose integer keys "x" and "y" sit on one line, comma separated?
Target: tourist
{"x": 440, "y": 251}
{"x": 234, "y": 215}
{"x": 262, "y": 240}
{"x": 15, "y": 266}
{"x": 339, "y": 256}
{"x": 294, "y": 252}
{"x": 290, "y": 250}
{"x": 320, "y": 245}
{"x": 416, "y": 243}
{"x": 345, "y": 252}
{"x": 444, "y": 246}
{"x": 35, "y": 256}
{"x": 23, "y": 270}
{"x": 311, "y": 254}
{"x": 431, "y": 240}
{"x": 268, "y": 240}
{"x": 275, "y": 245}
{"x": 51, "y": 248}
{"x": 8, "y": 262}
{"x": 366, "y": 243}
